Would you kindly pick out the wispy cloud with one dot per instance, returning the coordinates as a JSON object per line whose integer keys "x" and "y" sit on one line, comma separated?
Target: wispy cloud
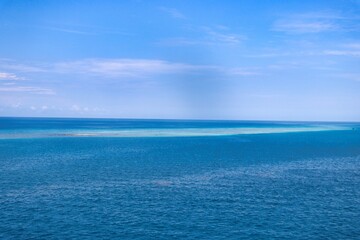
{"x": 73, "y": 28}
{"x": 34, "y": 90}
{"x": 82, "y": 29}
{"x": 120, "y": 68}
{"x": 349, "y": 76}
{"x": 8, "y": 83}
{"x": 125, "y": 67}
{"x": 10, "y": 65}
{"x": 304, "y": 27}
{"x": 68, "y": 30}
{"x": 353, "y": 45}
{"x": 11, "y": 80}
{"x": 242, "y": 72}
{"x": 9, "y": 76}
{"x": 349, "y": 50}
{"x": 342, "y": 53}
{"x": 45, "y": 108}
{"x": 83, "y": 109}
{"x": 181, "y": 41}
{"x": 219, "y": 35}
{"x": 139, "y": 68}
{"x": 173, "y": 12}
{"x": 314, "y": 22}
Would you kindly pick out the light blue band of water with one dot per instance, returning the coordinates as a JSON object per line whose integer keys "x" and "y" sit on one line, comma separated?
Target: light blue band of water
{"x": 179, "y": 132}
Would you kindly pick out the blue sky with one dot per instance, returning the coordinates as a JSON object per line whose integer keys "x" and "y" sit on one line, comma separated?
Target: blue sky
{"x": 261, "y": 60}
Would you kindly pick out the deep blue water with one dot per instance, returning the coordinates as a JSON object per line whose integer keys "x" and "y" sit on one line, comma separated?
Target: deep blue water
{"x": 288, "y": 185}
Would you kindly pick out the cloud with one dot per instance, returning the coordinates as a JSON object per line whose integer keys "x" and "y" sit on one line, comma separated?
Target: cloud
{"x": 9, "y": 76}
{"x": 80, "y": 109}
{"x": 68, "y": 30}
{"x": 14, "y": 66}
{"x": 349, "y": 50}
{"x": 241, "y": 72}
{"x": 173, "y": 12}
{"x": 82, "y": 29}
{"x": 26, "y": 89}
{"x": 73, "y": 28}
{"x": 125, "y": 67}
{"x": 180, "y": 41}
{"x": 219, "y": 35}
{"x": 8, "y": 83}
{"x": 140, "y": 68}
{"x": 349, "y": 76}
{"x": 311, "y": 51}
{"x": 75, "y": 108}
{"x": 354, "y": 45}
{"x": 342, "y": 53}
{"x": 304, "y": 27}
{"x": 315, "y": 22}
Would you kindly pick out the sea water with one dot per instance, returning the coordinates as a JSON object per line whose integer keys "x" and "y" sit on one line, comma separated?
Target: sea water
{"x": 176, "y": 179}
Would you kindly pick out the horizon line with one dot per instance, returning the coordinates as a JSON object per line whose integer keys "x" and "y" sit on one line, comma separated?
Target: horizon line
{"x": 185, "y": 119}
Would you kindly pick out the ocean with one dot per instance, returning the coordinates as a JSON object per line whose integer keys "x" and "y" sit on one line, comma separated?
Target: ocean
{"x": 178, "y": 179}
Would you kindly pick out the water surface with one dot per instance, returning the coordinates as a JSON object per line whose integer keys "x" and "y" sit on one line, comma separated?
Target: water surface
{"x": 288, "y": 181}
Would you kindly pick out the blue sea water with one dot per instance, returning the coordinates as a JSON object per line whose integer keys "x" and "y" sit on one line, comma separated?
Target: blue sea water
{"x": 157, "y": 179}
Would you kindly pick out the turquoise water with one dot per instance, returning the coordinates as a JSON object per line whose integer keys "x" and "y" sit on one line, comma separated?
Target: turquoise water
{"x": 152, "y": 179}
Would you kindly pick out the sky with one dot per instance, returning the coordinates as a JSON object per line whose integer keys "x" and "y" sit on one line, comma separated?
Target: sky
{"x": 245, "y": 60}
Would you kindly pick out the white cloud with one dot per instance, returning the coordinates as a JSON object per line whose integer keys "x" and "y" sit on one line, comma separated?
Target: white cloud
{"x": 16, "y": 105}
{"x": 350, "y": 76}
{"x": 9, "y": 76}
{"x": 34, "y": 90}
{"x": 181, "y": 41}
{"x": 208, "y": 36}
{"x": 173, "y": 12}
{"x": 124, "y": 67}
{"x": 241, "y": 72}
{"x": 354, "y": 45}
{"x": 315, "y": 22}
{"x": 304, "y": 27}
{"x": 67, "y": 30}
{"x": 139, "y": 68}
{"x": 8, "y": 84}
{"x": 342, "y": 53}
{"x": 348, "y": 49}
{"x": 75, "y": 108}
{"x": 321, "y": 15}
{"x": 229, "y": 38}
{"x": 13, "y": 66}
{"x": 82, "y": 110}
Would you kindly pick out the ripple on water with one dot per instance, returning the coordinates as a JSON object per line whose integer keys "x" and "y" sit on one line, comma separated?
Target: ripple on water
{"x": 315, "y": 197}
